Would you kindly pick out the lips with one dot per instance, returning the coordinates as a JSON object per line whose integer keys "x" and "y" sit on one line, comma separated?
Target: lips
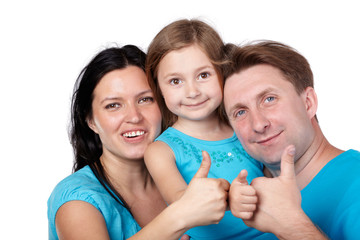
{"x": 195, "y": 104}
{"x": 269, "y": 139}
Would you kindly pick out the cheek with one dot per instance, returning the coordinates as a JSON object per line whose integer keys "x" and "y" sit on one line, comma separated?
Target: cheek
{"x": 215, "y": 89}
{"x": 154, "y": 115}
{"x": 240, "y": 129}
{"x": 169, "y": 95}
{"x": 109, "y": 124}
{"x": 219, "y": 97}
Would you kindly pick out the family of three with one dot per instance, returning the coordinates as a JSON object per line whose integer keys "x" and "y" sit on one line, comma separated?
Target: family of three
{"x": 202, "y": 140}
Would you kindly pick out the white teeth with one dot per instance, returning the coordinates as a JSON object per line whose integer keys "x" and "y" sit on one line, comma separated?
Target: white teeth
{"x": 133, "y": 134}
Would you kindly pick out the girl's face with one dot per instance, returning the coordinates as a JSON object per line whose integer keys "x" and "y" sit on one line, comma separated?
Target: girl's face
{"x": 125, "y": 114}
{"x": 189, "y": 83}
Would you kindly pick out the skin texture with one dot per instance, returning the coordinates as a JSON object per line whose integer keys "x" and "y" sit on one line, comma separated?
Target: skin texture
{"x": 243, "y": 198}
{"x": 191, "y": 90}
{"x": 277, "y": 126}
{"x": 127, "y": 119}
{"x": 189, "y": 83}
{"x": 124, "y": 104}
{"x": 267, "y": 114}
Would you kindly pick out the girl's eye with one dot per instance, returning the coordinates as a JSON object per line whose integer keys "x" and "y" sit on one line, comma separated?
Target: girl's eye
{"x": 146, "y": 100}
{"x": 269, "y": 99}
{"x": 112, "y": 106}
{"x": 175, "y": 81}
{"x": 203, "y": 75}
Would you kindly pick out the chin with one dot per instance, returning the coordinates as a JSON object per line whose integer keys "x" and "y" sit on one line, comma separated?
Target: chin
{"x": 136, "y": 157}
{"x": 136, "y": 154}
{"x": 272, "y": 163}
{"x": 269, "y": 159}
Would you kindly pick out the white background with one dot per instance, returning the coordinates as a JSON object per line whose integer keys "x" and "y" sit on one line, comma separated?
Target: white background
{"x": 45, "y": 44}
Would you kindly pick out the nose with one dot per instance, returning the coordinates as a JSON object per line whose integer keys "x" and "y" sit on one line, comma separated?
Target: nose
{"x": 260, "y": 123}
{"x": 133, "y": 114}
{"x": 192, "y": 89}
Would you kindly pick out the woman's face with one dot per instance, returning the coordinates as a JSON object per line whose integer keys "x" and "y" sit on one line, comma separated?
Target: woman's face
{"x": 125, "y": 114}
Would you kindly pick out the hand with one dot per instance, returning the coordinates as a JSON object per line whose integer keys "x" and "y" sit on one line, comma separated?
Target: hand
{"x": 205, "y": 199}
{"x": 279, "y": 198}
{"x": 242, "y": 197}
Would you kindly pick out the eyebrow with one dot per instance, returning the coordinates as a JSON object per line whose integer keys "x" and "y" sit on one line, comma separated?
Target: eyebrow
{"x": 199, "y": 69}
{"x": 120, "y": 98}
{"x": 236, "y": 106}
{"x": 258, "y": 96}
{"x": 264, "y": 92}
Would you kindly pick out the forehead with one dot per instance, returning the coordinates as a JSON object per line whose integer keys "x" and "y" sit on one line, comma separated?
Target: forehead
{"x": 129, "y": 80}
{"x": 249, "y": 83}
{"x": 184, "y": 58}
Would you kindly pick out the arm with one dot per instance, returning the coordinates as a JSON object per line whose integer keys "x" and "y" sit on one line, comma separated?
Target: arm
{"x": 279, "y": 205}
{"x": 80, "y": 220}
{"x": 203, "y": 203}
{"x": 160, "y": 161}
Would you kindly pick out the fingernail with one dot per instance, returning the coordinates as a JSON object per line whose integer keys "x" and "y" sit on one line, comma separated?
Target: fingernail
{"x": 291, "y": 151}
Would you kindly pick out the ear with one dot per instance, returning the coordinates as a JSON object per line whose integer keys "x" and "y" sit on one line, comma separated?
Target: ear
{"x": 90, "y": 122}
{"x": 311, "y": 102}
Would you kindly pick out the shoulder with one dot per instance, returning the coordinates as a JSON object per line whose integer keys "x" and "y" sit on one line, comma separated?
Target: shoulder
{"x": 158, "y": 148}
{"x": 81, "y": 185}
{"x": 348, "y": 209}
{"x": 348, "y": 160}
{"x": 171, "y": 135}
{"x": 77, "y": 183}
{"x": 81, "y": 215}
{"x": 82, "y": 190}
{"x": 353, "y": 154}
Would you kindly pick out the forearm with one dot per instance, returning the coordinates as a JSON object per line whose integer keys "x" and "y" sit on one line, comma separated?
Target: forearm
{"x": 169, "y": 224}
{"x": 298, "y": 228}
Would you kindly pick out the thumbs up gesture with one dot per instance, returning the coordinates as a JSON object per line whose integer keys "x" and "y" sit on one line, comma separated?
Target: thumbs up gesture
{"x": 242, "y": 197}
{"x": 279, "y": 198}
{"x": 205, "y": 199}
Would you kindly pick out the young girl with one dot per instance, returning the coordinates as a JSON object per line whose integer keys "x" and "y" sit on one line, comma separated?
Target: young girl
{"x": 184, "y": 70}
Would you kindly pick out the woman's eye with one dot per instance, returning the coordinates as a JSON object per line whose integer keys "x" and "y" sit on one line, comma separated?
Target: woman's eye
{"x": 146, "y": 100}
{"x": 175, "y": 81}
{"x": 112, "y": 106}
{"x": 203, "y": 75}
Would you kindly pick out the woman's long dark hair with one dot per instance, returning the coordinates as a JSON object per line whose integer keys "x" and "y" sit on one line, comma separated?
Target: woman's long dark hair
{"x": 86, "y": 143}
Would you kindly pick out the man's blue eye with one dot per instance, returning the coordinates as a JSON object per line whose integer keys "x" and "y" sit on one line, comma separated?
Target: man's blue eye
{"x": 239, "y": 113}
{"x": 269, "y": 99}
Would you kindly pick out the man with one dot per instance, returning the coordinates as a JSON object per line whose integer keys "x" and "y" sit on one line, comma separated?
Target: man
{"x": 271, "y": 104}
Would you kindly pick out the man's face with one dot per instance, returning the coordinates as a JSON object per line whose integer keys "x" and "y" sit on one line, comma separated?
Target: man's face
{"x": 268, "y": 114}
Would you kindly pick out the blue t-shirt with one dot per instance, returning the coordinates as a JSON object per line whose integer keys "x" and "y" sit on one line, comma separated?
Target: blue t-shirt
{"x": 332, "y": 198}
{"x": 84, "y": 186}
{"x": 228, "y": 158}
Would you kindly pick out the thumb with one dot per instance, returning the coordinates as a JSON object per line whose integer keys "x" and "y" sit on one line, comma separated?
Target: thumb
{"x": 185, "y": 237}
{"x": 241, "y": 178}
{"x": 204, "y": 167}
{"x": 287, "y": 162}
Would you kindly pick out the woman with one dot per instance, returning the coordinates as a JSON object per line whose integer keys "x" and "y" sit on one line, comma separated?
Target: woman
{"x": 111, "y": 194}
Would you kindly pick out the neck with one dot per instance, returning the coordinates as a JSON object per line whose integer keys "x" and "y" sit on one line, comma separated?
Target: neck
{"x": 318, "y": 154}
{"x": 127, "y": 176}
{"x": 211, "y": 128}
